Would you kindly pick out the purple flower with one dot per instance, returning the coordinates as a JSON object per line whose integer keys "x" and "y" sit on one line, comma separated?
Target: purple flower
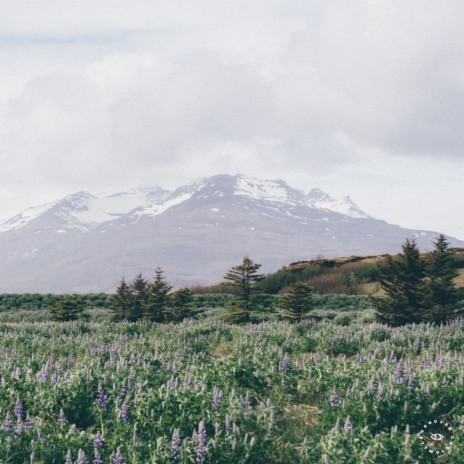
{"x": 217, "y": 397}
{"x": 228, "y": 426}
{"x": 69, "y": 458}
{"x": 7, "y": 425}
{"x": 284, "y": 365}
{"x": 125, "y": 412}
{"x": 334, "y": 399}
{"x": 175, "y": 445}
{"x": 19, "y": 426}
{"x": 410, "y": 384}
{"x": 29, "y": 424}
{"x": 99, "y": 441}
{"x": 18, "y": 409}
{"x": 102, "y": 399}
{"x": 82, "y": 458}
{"x": 118, "y": 458}
{"x": 374, "y": 385}
{"x": 62, "y": 419}
{"x": 98, "y": 459}
{"x": 201, "y": 450}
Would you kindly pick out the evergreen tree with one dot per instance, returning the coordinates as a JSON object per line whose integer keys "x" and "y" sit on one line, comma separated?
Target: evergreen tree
{"x": 401, "y": 278}
{"x": 157, "y": 300}
{"x": 181, "y": 305}
{"x": 121, "y": 302}
{"x": 138, "y": 291}
{"x": 243, "y": 277}
{"x": 66, "y": 308}
{"x": 442, "y": 293}
{"x": 298, "y": 302}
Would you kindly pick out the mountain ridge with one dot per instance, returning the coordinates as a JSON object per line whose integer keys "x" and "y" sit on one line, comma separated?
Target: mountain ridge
{"x": 88, "y": 242}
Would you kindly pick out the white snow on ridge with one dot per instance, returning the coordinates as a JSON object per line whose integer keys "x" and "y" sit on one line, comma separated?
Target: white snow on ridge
{"x": 344, "y": 206}
{"x": 157, "y": 209}
{"x": 270, "y": 190}
{"x": 25, "y": 217}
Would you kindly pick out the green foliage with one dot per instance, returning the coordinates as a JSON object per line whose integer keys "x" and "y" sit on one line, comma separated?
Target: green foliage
{"x": 122, "y": 302}
{"x": 66, "y": 309}
{"x": 298, "y": 302}
{"x": 157, "y": 299}
{"x": 181, "y": 305}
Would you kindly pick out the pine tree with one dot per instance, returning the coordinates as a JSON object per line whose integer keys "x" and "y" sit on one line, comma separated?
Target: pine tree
{"x": 401, "y": 278}
{"x": 244, "y": 277}
{"x": 442, "y": 293}
{"x": 180, "y": 305}
{"x": 157, "y": 300}
{"x": 298, "y": 302}
{"x": 121, "y": 302}
{"x": 66, "y": 308}
{"x": 138, "y": 291}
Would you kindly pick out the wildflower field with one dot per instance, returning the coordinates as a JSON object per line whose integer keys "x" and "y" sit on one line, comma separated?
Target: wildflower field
{"x": 337, "y": 389}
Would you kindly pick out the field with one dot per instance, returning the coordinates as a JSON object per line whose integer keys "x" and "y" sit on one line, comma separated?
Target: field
{"x": 338, "y": 388}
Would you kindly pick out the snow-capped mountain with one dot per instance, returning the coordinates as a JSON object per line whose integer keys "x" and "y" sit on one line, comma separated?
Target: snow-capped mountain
{"x": 88, "y": 242}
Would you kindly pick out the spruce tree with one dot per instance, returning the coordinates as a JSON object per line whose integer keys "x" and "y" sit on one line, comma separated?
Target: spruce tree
{"x": 442, "y": 293}
{"x": 180, "y": 305}
{"x": 138, "y": 291}
{"x": 66, "y": 308}
{"x": 243, "y": 277}
{"x": 157, "y": 300}
{"x": 121, "y": 302}
{"x": 298, "y": 302}
{"x": 401, "y": 278}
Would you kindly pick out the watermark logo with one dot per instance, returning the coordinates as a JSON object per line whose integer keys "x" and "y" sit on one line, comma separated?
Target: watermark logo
{"x": 437, "y": 437}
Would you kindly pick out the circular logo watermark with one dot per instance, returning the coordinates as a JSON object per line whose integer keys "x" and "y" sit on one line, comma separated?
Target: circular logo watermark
{"x": 437, "y": 436}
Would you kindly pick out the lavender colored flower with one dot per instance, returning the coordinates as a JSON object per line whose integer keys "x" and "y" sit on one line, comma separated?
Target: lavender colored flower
{"x": 82, "y": 458}
{"x": 374, "y": 385}
{"x": 98, "y": 459}
{"x": 334, "y": 399}
{"x": 269, "y": 383}
{"x": 229, "y": 426}
{"x": 118, "y": 459}
{"x": 62, "y": 419}
{"x": 99, "y": 441}
{"x": 7, "y": 425}
{"x": 410, "y": 384}
{"x": 69, "y": 459}
{"x": 175, "y": 445}
{"x": 125, "y": 412}
{"x": 18, "y": 409}
{"x": 201, "y": 450}
{"x": 284, "y": 365}
{"x": 217, "y": 397}
{"x": 19, "y": 427}
{"x": 102, "y": 399}
{"x": 29, "y": 424}
{"x": 348, "y": 426}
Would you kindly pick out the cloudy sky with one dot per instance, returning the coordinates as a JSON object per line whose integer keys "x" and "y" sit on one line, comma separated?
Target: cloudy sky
{"x": 358, "y": 97}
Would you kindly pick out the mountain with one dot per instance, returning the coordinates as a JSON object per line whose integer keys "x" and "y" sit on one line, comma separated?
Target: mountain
{"x": 88, "y": 242}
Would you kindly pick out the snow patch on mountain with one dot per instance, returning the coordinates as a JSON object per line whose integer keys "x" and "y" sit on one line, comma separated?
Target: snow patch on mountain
{"x": 25, "y": 217}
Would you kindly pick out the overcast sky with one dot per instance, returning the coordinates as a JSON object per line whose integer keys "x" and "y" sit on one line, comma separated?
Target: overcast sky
{"x": 361, "y": 97}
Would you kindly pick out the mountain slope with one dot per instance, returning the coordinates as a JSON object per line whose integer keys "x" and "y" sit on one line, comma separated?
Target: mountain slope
{"x": 89, "y": 242}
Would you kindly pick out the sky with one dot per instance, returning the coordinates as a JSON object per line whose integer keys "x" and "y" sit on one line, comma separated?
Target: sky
{"x": 362, "y": 98}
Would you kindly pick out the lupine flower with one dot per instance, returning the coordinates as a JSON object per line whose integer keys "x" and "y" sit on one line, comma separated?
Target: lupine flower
{"x": 98, "y": 459}
{"x": 7, "y": 425}
{"x": 29, "y": 424}
{"x": 69, "y": 459}
{"x": 62, "y": 419}
{"x": 102, "y": 399}
{"x": 118, "y": 459}
{"x": 348, "y": 426}
{"x": 175, "y": 445}
{"x": 201, "y": 450}
{"x": 284, "y": 365}
{"x": 410, "y": 384}
{"x": 19, "y": 426}
{"x": 99, "y": 441}
{"x": 125, "y": 412}
{"x": 18, "y": 409}
{"x": 374, "y": 385}
{"x": 217, "y": 397}
{"x": 229, "y": 427}
{"x": 334, "y": 399}
{"x": 248, "y": 399}
{"x": 81, "y": 457}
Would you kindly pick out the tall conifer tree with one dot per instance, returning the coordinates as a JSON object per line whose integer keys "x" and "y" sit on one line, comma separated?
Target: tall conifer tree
{"x": 157, "y": 301}
{"x": 121, "y": 302}
{"x": 298, "y": 302}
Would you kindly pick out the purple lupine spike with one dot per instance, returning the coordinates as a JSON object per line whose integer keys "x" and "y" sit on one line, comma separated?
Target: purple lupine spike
{"x": 18, "y": 409}
{"x": 201, "y": 450}
{"x": 62, "y": 419}
{"x": 125, "y": 412}
{"x": 248, "y": 399}
{"x": 229, "y": 427}
{"x": 334, "y": 399}
{"x": 217, "y": 397}
{"x": 175, "y": 445}
{"x": 98, "y": 459}
{"x": 123, "y": 390}
{"x": 102, "y": 399}
{"x": 380, "y": 393}
{"x": 374, "y": 385}
{"x": 269, "y": 383}
{"x": 7, "y": 425}
{"x": 348, "y": 426}
{"x": 99, "y": 441}
{"x": 81, "y": 457}
{"x": 284, "y": 365}
{"x": 29, "y": 424}
{"x": 118, "y": 459}
{"x": 69, "y": 459}
{"x": 410, "y": 384}
{"x": 19, "y": 427}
